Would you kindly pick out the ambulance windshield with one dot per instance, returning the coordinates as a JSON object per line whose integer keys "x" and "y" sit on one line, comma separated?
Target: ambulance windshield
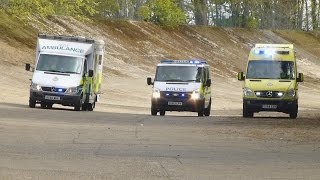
{"x": 270, "y": 70}
{"x": 60, "y": 64}
{"x": 179, "y": 73}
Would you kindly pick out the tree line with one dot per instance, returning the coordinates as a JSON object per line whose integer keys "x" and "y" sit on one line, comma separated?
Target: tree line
{"x": 263, "y": 14}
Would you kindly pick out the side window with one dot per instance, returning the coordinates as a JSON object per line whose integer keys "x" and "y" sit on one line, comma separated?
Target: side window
{"x": 208, "y": 73}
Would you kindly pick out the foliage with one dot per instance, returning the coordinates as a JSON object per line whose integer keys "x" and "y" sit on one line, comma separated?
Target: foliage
{"x": 45, "y": 8}
{"x": 265, "y": 14}
{"x": 163, "y": 12}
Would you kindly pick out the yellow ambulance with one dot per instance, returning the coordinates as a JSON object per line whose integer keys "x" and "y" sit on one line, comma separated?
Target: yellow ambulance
{"x": 271, "y": 80}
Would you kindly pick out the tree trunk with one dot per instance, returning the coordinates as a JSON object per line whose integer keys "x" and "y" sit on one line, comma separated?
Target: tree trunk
{"x": 200, "y": 12}
{"x": 314, "y": 14}
{"x": 307, "y": 16}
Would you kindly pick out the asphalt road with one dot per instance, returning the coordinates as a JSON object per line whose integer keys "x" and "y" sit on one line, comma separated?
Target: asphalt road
{"x": 63, "y": 144}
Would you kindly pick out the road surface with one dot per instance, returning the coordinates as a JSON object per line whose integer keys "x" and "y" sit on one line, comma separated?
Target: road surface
{"x": 62, "y": 144}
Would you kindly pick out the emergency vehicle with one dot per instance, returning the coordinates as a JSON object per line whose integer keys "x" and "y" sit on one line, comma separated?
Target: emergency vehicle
{"x": 181, "y": 85}
{"x": 271, "y": 80}
{"x": 68, "y": 71}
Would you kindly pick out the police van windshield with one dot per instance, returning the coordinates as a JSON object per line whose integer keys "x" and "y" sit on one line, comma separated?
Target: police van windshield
{"x": 270, "y": 70}
{"x": 179, "y": 73}
{"x": 61, "y": 64}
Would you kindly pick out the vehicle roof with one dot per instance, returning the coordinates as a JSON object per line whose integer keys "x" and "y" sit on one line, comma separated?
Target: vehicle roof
{"x": 279, "y": 52}
{"x": 191, "y": 62}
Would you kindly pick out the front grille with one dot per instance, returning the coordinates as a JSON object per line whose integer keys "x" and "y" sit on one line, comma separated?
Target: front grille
{"x": 53, "y": 89}
{"x": 175, "y": 95}
{"x": 269, "y": 94}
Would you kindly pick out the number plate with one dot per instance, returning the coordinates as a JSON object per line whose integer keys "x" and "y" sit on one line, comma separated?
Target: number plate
{"x": 52, "y": 97}
{"x": 175, "y": 103}
{"x": 266, "y": 106}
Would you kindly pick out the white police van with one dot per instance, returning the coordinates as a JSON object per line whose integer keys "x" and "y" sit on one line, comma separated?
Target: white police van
{"x": 181, "y": 85}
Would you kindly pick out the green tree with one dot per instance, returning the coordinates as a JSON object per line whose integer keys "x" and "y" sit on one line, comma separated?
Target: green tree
{"x": 163, "y": 12}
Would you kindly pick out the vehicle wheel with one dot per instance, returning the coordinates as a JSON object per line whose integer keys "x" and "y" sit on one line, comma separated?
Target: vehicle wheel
{"x": 162, "y": 112}
{"x": 90, "y": 106}
{"x": 32, "y": 103}
{"x": 84, "y": 107}
{"x": 153, "y": 112}
{"x": 294, "y": 113}
{"x": 246, "y": 113}
{"x": 78, "y": 105}
{"x": 43, "y": 105}
{"x": 49, "y": 106}
{"x": 208, "y": 109}
{"x": 201, "y": 111}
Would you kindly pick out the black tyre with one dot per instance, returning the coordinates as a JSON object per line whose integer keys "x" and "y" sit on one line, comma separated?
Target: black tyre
{"x": 294, "y": 113}
{"x": 90, "y": 106}
{"x": 43, "y": 105}
{"x": 200, "y": 113}
{"x": 162, "y": 112}
{"x": 32, "y": 103}
{"x": 49, "y": 105}
{"x": 153, "y": 112}
{"x": 78, "y": 105}
{"x": 246, "y": 113}
{"x": 208, "y": 109}
{"x": 201, "y": 110}
{"x": 84, "y": 107}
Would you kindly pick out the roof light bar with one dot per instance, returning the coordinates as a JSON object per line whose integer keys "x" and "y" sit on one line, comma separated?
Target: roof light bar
{"x": 183, "y": 62}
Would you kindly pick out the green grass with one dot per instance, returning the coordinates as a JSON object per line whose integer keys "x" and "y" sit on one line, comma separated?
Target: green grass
{"x": 16, "y": 32}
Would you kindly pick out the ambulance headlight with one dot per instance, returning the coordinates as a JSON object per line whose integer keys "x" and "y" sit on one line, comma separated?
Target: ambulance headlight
{"x": 35, "y": 87}
{"x": 73, "y": 90}
{"x": 291, "y": 93}
{"x": 156, "y": 93}
{"x": 247, "y": 92}
{"x": 195, "y": 94}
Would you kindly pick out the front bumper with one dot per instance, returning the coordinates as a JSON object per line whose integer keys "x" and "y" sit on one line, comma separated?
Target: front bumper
{"x": 66, "y": 100}
{"x": 285, "y": 106}
{"x": 177, "y": 104}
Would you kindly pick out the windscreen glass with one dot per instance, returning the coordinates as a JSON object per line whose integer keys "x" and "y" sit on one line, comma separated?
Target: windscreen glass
{"x": 270, "y": 70}
{"x": 61, "y": 64}
{"x": 179, "y": 73}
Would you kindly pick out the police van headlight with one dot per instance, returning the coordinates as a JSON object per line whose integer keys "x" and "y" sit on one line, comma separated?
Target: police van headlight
{"x": 291, "y": 93}
{"x": 195, "y": 94}
{"x": 35, "y": 87}
{"x": 156, "y": 93}
{"x": 73, "y": 90}
{"x": 247, "y": 92}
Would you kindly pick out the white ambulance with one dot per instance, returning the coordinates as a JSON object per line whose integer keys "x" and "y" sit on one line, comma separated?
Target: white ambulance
{"x": 181, "y": 85}
{"x": 68, "y": 71}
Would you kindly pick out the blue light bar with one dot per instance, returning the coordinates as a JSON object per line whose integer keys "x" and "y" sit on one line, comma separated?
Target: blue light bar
{"x": 183, "y": 62}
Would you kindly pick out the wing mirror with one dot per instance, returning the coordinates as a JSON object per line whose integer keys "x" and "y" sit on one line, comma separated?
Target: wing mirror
{"x": 208, "y": 83}
{"x": 300, "y": 77}
{"x": 241, "y": 76}
{"x": 90, "y": 73}
{"x": 28, "y": 67}
{"x": 149, "y": 81}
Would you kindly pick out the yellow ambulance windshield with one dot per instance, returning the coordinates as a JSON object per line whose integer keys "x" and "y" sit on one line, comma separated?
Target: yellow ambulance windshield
{"x": 264, "y": 69}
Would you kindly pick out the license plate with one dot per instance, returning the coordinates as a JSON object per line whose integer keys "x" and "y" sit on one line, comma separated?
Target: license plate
{"x": 52, "y": 97}
{"x": 175, "y": 103}
{"x": 266, "y": 106}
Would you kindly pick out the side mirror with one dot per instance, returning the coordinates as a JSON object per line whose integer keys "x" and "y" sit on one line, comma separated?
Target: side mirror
{"x": 241, "y": 76}
{"x": 28, "y": 67}
{"x": 149, "y": 81}
{"x": 90, "y": 73}
{"x": 300, "y": 77}
{"x": 208, "y": 83}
